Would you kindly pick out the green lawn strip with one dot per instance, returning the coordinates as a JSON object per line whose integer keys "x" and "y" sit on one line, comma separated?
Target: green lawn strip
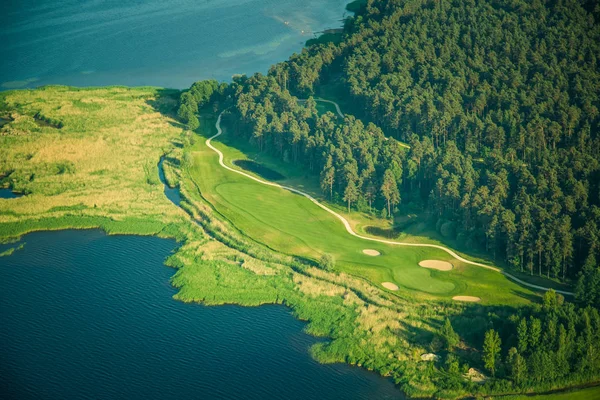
{"x": 592, "y": 393}
{"x": 126, "y": 226}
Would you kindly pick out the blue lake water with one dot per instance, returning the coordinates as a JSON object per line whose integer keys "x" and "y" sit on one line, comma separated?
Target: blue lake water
{"x": 8, "y": 194}
{"x": 86, "y": 315}
{"x": 152, "y": 42}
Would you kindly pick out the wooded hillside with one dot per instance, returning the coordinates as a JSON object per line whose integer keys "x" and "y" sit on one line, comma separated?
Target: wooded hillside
{"x": 499, "y": 102}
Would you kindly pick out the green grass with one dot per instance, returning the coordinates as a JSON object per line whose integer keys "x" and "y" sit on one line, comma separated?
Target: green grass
{"x": 583, "y": 394}
{"x": 291, "y": 224}
{"x": 98, "y": 170}
{"x": 323, "y": 107}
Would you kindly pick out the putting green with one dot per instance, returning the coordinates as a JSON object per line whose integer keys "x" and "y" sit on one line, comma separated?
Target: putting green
{"x": 292, "y": 224}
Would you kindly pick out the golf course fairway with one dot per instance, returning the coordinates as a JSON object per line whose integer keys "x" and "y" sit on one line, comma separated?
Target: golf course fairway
{"x": 293, "y": 224}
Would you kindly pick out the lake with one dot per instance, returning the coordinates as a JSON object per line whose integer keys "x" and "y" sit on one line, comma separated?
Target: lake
{"x": 152, "y": 42}
{"x": 86, "y": 315}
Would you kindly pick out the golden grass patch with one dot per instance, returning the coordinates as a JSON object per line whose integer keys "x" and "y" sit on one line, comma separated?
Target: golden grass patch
{"x": 82, "y": 165}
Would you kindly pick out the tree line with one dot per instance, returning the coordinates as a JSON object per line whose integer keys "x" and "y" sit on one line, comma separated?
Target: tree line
{"x": 554, "y": 345}
{"x": 355, "y": 163}
{"x": 499, "y": 103}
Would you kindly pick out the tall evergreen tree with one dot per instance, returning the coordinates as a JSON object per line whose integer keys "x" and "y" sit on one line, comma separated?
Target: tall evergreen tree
{"x": 491, "y": 350}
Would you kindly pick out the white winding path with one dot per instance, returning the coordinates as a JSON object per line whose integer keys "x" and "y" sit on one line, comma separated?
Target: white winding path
{"x": 347, "y": 224}
{"x": 336, "y": 105}
{"x": 341, "y": 114}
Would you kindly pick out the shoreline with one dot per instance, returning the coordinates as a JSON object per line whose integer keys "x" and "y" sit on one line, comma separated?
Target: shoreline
{"x": 194, "y": 213}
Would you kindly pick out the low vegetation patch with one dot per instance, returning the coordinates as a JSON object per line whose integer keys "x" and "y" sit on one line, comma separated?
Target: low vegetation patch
{"x": 97, "y": 170}
{"x": 387, "y": 233}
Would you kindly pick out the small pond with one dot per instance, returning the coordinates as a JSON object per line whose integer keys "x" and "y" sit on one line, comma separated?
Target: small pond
{"x": 259, "y": 169}
{"x": 388, "y": 233}
{"x": 8, "y": 194}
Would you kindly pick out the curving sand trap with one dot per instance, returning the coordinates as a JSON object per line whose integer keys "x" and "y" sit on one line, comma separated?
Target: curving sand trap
{"x": 389, "y": 285}
{"x": 371, "y": 252}
{"x": 435, "y": 264}
{"x": 466, "y": 298}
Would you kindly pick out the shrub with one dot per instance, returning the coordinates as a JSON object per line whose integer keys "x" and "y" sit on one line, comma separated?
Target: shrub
{"x": 327, "y": 262}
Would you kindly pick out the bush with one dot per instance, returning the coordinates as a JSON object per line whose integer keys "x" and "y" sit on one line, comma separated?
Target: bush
{"x": 188, "y": 160}
{"x": 327, "y": 262}
{"x": 447, "y": 230}
{"x": 65, "y": 167}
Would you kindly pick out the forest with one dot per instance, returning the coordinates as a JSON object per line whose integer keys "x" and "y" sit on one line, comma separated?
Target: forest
{"x": 554, "y": 344}
{"x": 499, "y": 108}
{"x": 498, "y": 102}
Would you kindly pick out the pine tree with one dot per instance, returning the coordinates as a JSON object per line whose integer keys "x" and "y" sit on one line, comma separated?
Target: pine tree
{"x": 328, "y": 177}
{"x": 491, "y": 350}
{"x": 522, "y": 337}
{"x": 518, "y": 366}
{"x": 389, "y": 190}
{"x": 448, "y": 334}
{"x": 351, "y": 193}
{"x": 535, "y": 332}
{"x": 193, "y": 123}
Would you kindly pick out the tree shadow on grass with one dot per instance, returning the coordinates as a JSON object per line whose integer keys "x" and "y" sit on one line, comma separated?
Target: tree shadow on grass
{"x": 418, "y": 335}
{"x": 166, "y": 102}
{"x": 527, "y": 296}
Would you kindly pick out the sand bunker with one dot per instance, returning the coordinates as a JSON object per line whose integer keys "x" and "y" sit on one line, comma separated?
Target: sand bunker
{"x": 466, "y": 298}
{"x": 435, "y": 264}
{"x": 371, "y": 252}
{"x": 389, "y": 285}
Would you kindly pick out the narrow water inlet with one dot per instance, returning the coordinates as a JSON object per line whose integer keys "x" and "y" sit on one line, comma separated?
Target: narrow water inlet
{"x": 171, "y": 193}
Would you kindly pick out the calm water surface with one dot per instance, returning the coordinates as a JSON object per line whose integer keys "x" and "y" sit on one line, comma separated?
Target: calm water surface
{"x": 152, "y": 42}
{"x": 85, "y": 315}
{"x": 8, "y": 194}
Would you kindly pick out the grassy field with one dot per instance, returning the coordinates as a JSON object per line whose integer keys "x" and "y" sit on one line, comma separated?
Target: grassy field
{"x": 323, "y": 107}
{"x": 293, "y": 225}
{"x": 86, "y": 158}
{"x": 584, "y": 394}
